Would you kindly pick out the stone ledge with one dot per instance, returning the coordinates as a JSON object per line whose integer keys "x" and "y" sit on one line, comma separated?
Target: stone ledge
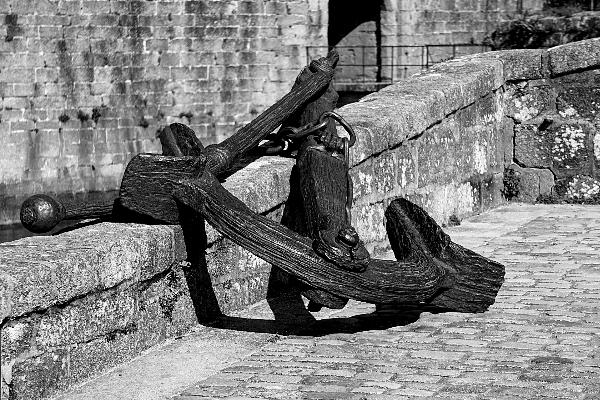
{"x": 574, "y": 56}
{"x": 403, "y": 111}
{"x": 42, "y": 271}
{"x": 521, "y": 64}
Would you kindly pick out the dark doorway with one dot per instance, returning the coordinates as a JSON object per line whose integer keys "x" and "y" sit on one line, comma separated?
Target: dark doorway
{"x": 346, "y": 15}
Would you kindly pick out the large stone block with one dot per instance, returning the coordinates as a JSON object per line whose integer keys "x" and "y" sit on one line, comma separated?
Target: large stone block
{"x": 407, "y": 172}
{"x": 168, "y": 306}
{"x": 467, "y": 201}
{"x": 571, "y": 147}
{"x": 533, "y": 148}
{"x": 533, "y": 182}
{"x": 579, "y": 102}
{"x": 93, "y": 317}
{"x": 491, "y": 189}
{"x": 528, "y": 100}
{"x": 521, "y": 64}
{"x": 89, "y": 359}
{"x": 7, "y": 285}
{"x": 436, "y": 160}
{"x": 528, "y": 187}
{"x": 385, "y": 167}
{"x": 363, "y": 181}
{"x": 79, "y": 262}
{"x": 16, "y": 338}
{"x": 479, "y": 76}
{"x": 368, "y": 219}
{"x": 574, "y": 56}
{"x": 38, "y": 376}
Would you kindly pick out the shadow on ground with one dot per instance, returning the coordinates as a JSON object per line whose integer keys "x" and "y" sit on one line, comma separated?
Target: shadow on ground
{"x": 292, "y": 318}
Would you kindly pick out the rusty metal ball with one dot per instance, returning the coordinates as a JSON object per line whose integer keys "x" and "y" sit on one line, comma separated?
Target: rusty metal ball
{"x": 41, "y": 213}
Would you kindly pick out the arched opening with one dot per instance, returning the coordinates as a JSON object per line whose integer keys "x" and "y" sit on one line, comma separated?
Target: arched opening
{"x": 355, "y": 31}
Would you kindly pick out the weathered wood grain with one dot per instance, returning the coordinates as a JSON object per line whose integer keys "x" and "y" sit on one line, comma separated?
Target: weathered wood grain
{"x": 472, "y": 281}
{"x": 415, "y": 279}
{"x": 319, "y": 199}
{"x": 318, "y": 76}
{"x": 318, "y": 195}
{"x": 149, "y": 181}
{"x": 184, "y": 139}
{"x": 169, "y": 143}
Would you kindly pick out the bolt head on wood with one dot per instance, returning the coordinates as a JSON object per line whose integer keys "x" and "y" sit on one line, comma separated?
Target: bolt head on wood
{"x": 348, "y": 237}
{"x": 41, "y": 213}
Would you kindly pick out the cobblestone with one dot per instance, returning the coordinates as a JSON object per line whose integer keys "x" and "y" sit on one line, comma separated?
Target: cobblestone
{"x": 547, "y": 310}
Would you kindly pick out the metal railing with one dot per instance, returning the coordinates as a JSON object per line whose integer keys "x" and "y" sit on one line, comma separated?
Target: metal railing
{"x": 387, "y": 64}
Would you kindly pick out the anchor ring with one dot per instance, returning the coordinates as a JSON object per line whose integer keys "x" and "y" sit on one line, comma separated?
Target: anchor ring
{"x": 337, "y": 117}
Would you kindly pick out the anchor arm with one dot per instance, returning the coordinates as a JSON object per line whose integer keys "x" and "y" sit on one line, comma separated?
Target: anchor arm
{"x": 412, "y": 280}
{"x": 316, "y": 77}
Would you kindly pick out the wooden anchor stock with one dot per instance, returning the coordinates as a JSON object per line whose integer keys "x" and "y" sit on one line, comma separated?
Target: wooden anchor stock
{"x": 149, "y": 180}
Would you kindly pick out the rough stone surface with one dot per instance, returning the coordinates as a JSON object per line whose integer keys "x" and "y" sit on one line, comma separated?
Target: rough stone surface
{"x": 571, "y": 148}
{"x": 555, "y": 124}
{"x": 529, "y": 100}
{"x": 578, "y": 96}
{"x": 399, "y": 112}
{"x": 574, "y": 56}
{"x": 522, "y": 64}
{"x": 56, "y": 269}
{"x": 533, "y": 182}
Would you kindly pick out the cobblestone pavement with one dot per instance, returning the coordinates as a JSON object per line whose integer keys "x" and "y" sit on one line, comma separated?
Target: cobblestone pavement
{"x": 541, "y": 339}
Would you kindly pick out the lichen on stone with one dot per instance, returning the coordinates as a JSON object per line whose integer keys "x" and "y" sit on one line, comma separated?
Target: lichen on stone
{"x": 569, "y": 141}
{"x": 568, "y": 112}
{"x": 583, "y": 187}
{"x": 524, "y": 112}
{"x": 480, "y": 157}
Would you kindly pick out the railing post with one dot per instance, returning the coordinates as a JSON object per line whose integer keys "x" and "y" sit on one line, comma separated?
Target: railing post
{"x": 393, "y": 65}
{"x": 363, "y": 63}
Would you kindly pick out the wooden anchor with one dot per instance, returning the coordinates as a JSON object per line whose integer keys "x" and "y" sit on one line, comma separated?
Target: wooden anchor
{"x": 315, "y": 242}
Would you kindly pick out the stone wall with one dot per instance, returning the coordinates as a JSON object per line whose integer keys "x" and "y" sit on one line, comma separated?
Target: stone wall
{"x": 84, "y": 86}
{"x": 416, "y": 22}
{"x": 409, "y": 23}
{"x": 555, "y": 111}
{"x": 93, "y": 297}
{"x": 453, "y": 21}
